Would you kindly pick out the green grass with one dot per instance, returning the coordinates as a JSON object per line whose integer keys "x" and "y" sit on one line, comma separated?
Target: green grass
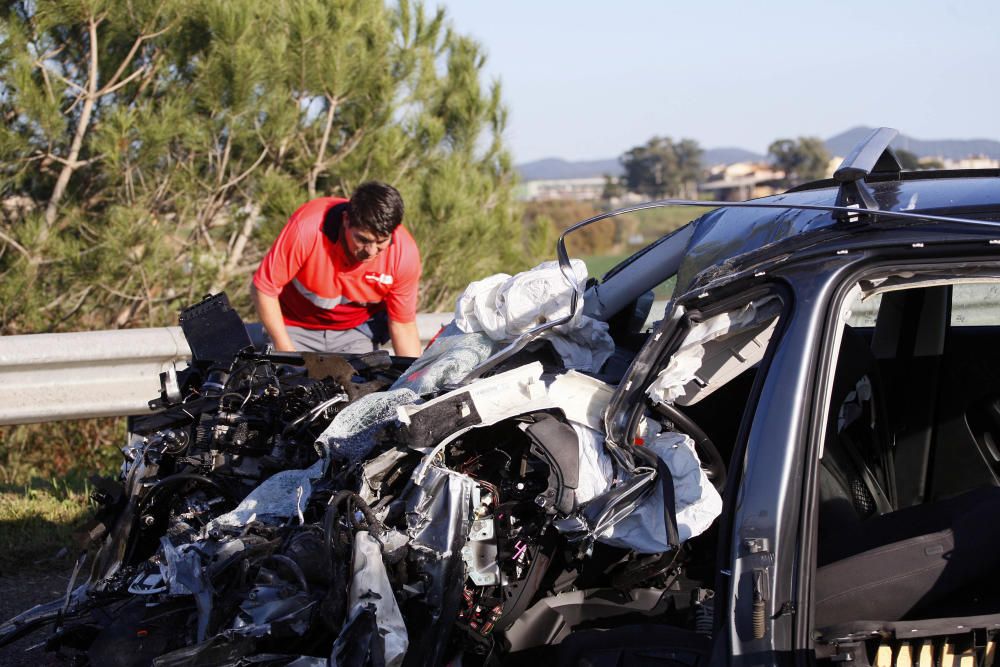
{"x": 655, "y": 222}
{"x": 37, "y": 520}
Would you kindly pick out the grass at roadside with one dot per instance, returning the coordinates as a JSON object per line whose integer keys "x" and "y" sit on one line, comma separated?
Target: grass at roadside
{"x": 598, "y": 265}
{"x": 37, "y": 520}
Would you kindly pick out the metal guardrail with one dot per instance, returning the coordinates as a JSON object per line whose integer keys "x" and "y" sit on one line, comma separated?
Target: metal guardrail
{"x": 51, "y": 377}
{"x": 46, "y": 377}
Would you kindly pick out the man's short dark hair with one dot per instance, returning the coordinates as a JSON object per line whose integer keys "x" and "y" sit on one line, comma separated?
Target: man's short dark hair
{"x": 377, "y": 207}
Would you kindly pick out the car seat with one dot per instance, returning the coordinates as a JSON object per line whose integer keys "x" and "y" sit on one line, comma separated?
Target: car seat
{"x": 877, "y": 562}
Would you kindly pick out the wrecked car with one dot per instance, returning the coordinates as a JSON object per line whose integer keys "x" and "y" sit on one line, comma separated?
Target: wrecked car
{"x": 794, "y": 460}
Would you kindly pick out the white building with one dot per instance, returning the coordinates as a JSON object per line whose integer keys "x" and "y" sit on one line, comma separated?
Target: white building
{"x": 580, "y": 189}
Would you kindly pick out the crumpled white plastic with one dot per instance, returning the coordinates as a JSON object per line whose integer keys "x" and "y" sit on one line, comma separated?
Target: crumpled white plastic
{"x": 696, "y": 502}
{"x": 596, "y": 471}
{"x": 506, "y": 306}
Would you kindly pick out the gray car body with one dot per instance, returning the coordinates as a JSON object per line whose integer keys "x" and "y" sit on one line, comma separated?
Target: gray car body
{"x": 810, "y": 258}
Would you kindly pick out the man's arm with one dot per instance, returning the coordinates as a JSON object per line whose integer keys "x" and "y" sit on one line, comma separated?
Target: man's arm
{"x": 269, "y": 312}
{"x": 405, "y": 339}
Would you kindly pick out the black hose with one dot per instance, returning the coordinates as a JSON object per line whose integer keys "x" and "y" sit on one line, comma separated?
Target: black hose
{"x": 332, "y": 514}
{"x": 173, "y": 480}
{"x": 294, "y": 567}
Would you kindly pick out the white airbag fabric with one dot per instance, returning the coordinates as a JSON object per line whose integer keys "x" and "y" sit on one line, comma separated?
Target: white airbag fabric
{"x": 504, "y": 307}
{"x": 279, "y": 497}
{"x": 713, "y": 337}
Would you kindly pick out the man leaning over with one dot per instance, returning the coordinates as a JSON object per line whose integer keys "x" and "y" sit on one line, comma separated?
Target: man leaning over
{"x": 342, "y": 276}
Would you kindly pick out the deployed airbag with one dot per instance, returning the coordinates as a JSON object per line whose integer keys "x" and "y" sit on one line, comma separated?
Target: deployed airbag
{"x": 504, "y": 307}
{"x": 696, "y": 502}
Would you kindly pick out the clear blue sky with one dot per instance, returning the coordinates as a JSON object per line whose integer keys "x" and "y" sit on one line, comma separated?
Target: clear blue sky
{"x": 589, "y": 79}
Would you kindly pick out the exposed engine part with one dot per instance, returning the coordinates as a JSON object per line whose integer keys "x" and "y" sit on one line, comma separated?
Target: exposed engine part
{"x": 277, "y": 511}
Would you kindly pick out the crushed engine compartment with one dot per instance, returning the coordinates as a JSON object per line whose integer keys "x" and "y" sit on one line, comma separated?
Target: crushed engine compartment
{"x": 324, "y": 510}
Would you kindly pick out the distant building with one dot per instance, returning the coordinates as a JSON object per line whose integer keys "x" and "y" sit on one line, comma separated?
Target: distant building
{"x": 738, "y": 181}
{"x": 741, "y": 180}
{"x": 580, "y": 189}
{"x": 971, "y": 162}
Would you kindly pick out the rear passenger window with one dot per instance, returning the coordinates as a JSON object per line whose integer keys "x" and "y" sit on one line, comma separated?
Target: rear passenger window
{"x": 864, "y": 311}
{"x": 975, "y": 304}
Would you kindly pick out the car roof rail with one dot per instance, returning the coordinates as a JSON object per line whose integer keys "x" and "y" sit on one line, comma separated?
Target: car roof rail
{"x": 873, "y": 156}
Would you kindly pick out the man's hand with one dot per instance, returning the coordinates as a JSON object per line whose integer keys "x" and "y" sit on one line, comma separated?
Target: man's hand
{"x": 405, "y": 339}
{"x": 269, "y": 312}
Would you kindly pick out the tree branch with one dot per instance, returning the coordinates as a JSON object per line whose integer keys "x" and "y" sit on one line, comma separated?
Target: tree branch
{"x": 16, "y": 246}
{"x": 233, "y": 181}
{"x": 113, "y": 84}
{"x": 224, "y": 160}
{"x": 236, "y": 254}
{"x": 107, "y": 90}
{"x": 318, "y": 165}
{"x": 89, "y": 99}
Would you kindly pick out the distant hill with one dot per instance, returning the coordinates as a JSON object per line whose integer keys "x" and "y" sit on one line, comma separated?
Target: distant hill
{"x": 840, "y": 144}
{"x": 954, "y": 149}
{"x": 557, "y": 168}
{"x": 714, "y": 156}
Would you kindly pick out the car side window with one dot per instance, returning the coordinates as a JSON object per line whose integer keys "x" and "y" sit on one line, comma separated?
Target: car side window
{"x": 975, "y": 304}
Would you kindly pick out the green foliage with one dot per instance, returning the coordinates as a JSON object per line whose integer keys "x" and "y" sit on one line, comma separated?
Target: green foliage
{"x": 38, "y": 519}
{"x": 560, "y": 214}
{"x": 803, "y": 159}
{"x": 70, "y": 451}
{"x": 613, "y": 188}
{"x": 151, "y": 150}
{"x": 907, "y": 160}
{"x": 663, "y": 168}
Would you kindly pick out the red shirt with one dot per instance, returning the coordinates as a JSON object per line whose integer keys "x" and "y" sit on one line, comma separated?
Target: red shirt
{"x": 319, "y": 286}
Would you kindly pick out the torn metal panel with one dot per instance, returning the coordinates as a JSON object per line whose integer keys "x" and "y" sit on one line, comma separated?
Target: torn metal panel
{"x": 519, "y": 391}
{"x": 358, "y": 644}
{"x": 380, "y": 470}
{"x": 437, "y": 517}
{"x": 184, "y": 577}
{"x": 370, "y": 586}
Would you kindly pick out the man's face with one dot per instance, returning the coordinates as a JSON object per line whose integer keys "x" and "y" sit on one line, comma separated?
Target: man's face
{"x": 362, "y": 244}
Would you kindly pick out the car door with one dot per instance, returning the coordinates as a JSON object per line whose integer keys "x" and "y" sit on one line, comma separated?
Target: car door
{"x": 889, "y": 446}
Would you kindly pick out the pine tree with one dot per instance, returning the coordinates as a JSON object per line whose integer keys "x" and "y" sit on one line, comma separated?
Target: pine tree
{"x": 152, "y": 149}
